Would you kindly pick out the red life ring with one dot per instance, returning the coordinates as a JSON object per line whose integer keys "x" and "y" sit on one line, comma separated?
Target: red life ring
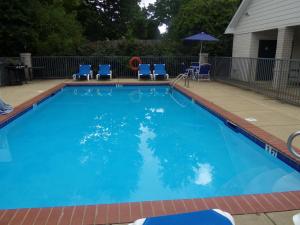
{"x": 134, "y": 63}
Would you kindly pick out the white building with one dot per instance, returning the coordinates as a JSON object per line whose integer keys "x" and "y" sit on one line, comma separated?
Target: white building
{"x": 267, "y": 29}
{"x": 261, "y": 23}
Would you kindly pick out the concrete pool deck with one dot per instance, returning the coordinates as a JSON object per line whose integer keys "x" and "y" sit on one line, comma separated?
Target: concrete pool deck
{"x": 270, "y": 114}
{"x": 278, "y": 118}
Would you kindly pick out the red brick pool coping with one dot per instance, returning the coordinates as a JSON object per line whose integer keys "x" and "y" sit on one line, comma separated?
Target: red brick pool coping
{"x": 259, "y": 133}
{"x": 128, "y": 212}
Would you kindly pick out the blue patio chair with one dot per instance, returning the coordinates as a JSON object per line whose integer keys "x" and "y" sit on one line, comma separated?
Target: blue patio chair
{"x": 84, "y": 71}
{"x": 203, "y": 73}
{"x": 191, "y": 71}
{"x": 160, "y": 71}
{"x": 206, "y": 217}
{"x": 144, "y": 71}
{"x": 195, "y": 65}
{"x": 104, "y": 71}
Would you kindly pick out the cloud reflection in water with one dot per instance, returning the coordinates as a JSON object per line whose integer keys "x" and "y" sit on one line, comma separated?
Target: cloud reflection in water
{"x": 203, "y": 174}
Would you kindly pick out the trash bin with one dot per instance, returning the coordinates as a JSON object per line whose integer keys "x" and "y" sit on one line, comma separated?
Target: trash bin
{"x": 26, "y": 61}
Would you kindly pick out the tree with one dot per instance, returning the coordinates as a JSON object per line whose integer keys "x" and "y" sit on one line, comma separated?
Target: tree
{"x": 39, "y": 26}
{"x": 59, "y": 27}
{"x": 16, "y": 31}
{"x": 164, "y": 10}
{"x": 59, "y": 32}
{"x": 101, "y": 19}
{"x": 142, "y": 27}
{"x": 115, "y": 19}
{"x": 211, "y": 16}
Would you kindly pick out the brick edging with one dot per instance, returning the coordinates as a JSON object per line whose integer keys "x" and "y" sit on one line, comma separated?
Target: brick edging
{"x": 253, "y": 130}
{"x": 27, "y": 105}
{"x": 129, "y": 212}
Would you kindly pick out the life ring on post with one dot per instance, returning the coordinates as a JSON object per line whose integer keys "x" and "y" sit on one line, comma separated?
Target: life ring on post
{"x": 134, "y": 63}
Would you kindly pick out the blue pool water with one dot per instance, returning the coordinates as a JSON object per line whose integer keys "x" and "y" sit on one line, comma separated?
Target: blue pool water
{"x": 104, "y": 144}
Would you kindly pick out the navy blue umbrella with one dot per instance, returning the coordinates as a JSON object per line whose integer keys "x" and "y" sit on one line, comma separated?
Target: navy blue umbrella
{"x": 202, "y": 37}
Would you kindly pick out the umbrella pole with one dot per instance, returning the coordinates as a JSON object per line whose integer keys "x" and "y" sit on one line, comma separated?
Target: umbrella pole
{"x": 200, "y": 54}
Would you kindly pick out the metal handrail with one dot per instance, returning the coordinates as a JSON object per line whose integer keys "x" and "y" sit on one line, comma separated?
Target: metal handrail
{"x": 289, "y": 144}
{"x": 178, "y": 78}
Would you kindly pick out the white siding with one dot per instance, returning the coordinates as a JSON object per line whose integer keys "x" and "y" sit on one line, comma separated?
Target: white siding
{"x": 241, "y": 45}
{"x": 246, "y": 45}
{"x": 269, "y": 14}
{"x": 241, "y": 69}
{"x": 285, "y": 43}
{"x": 263, "y": 35}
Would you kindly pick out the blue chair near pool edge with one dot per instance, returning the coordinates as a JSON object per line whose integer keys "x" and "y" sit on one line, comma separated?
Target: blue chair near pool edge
{"x": 144, "y": 71}
{"x": 205, "y": 217}
{"x": 104, "y": 70}
{"x": 195, "y": 64}
{"x": 84, "y": 71}
{"x": 160, "y": 71}
{"x": 203, "y": 73}
{"x": 194, "y": 67}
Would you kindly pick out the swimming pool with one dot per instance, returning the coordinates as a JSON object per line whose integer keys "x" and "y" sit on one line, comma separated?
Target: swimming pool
{"x": 108, "y": 144}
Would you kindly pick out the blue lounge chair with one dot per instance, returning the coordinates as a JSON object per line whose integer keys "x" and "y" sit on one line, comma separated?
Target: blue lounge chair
{"x": 84, "y": 71}
{"x": 144, "y": 71}
{"x": 160, "y": 71}
{"x": 203, "y": 73}
{"x": 206, "y": 217}
{"x": 104, "y": 71}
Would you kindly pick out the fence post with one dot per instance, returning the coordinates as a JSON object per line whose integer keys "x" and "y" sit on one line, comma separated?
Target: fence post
{"x": 66, "y": 68}
{"x": 215, "y": 66}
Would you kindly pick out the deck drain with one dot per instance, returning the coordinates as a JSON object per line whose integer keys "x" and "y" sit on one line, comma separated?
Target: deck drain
{"x": 251, "y": 119}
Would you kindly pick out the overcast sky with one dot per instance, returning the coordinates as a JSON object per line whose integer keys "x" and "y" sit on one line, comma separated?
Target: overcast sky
{"x": 147, "y": 2}
{"x": 162, "y": 28}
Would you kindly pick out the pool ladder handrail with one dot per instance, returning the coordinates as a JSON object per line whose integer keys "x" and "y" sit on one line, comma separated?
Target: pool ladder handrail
{"x": 289, "y": 144}
{"x": 179, "y": 78}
